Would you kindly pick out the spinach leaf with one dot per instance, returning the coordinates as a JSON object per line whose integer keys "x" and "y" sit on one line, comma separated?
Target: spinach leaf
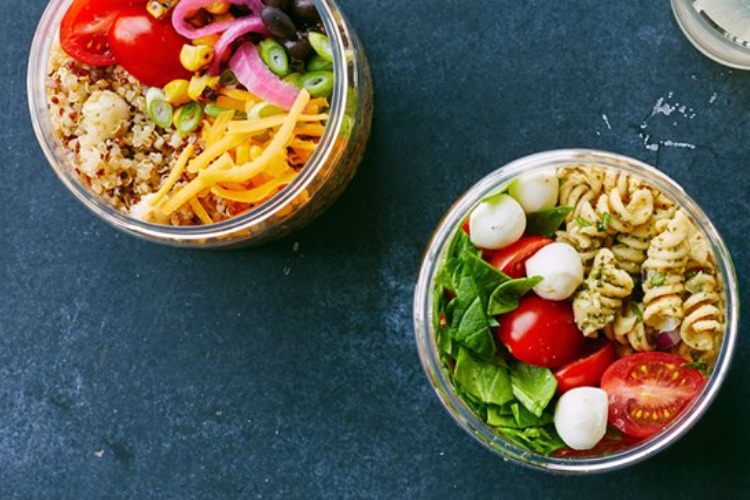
{"x": 472, "y": 329}
{"x": 469, "y": 322}
{"x": 546, "y": 222}
{"x": 486, "y": 276}
{"x": 500, "y": 416}
{"x": 524, "y": 418}
{"x": 505, "y": 297}
{"x": 533, "y": 386}
{"x": 543, "y": 440}
{"x": 486, "y": 381}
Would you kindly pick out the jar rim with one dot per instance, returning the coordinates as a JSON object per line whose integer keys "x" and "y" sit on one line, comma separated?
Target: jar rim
{"x": 41, "y": 47}
{"x": 425, "y": 330}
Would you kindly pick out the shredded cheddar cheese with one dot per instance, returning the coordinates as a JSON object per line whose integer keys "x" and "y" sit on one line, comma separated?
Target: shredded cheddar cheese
{"x": 195, "y": 204}
{"x": 245, "y": 161}
{"x": 174, "y": 175}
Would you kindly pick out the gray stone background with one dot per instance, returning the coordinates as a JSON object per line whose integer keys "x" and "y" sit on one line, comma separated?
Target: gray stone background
{"x": 133, "y": 370}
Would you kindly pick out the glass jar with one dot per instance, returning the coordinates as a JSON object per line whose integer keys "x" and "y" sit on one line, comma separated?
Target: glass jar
{"x": 720, "y": 29}
{"x": 324, "y": 177}
{"x": 424, "y": 312}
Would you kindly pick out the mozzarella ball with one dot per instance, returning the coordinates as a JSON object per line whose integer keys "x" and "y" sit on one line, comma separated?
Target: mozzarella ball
{"x": 536, "y": 191}
{"x": 581, "y": 417}
{"x": 497, "y": 222}
{"x": 561, "y": 269}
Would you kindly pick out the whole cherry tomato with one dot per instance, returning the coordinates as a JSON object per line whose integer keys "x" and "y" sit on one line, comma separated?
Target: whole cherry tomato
{"x": 541, "y": 332}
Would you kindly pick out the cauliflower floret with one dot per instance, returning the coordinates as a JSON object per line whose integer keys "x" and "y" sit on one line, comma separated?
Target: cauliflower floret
{"x": 104, "y": 114}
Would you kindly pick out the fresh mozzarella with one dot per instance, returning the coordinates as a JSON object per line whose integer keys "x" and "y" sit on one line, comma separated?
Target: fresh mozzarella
{"x": 581, "y": 417}
{"x": 497, "y": 222}
{"x": 536, "y": 191}
{"x": 561, "y": 269}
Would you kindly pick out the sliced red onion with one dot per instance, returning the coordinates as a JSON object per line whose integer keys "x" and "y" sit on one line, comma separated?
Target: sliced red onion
{"x": 665, "y": 340}
{"x": 187, "y": 8}
{"x": 253, "y": 73}
{"x": 251, "y": 24}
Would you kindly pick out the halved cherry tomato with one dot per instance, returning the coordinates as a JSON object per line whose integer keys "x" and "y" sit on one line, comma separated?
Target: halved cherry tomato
{"x": 648, "y": 390}
{"x": 149, "y": 49}
{"x": 541, "y": 332}
{"x": 511, "y": 260}
{"x": 588, "y": 370}
{"x": 84, "y": 28}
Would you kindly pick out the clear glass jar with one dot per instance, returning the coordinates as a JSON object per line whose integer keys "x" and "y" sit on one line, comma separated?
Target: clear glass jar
{"x": 331, "y": 167}
{"x": 426, "y": 335}
{"x": 712, "y": 27}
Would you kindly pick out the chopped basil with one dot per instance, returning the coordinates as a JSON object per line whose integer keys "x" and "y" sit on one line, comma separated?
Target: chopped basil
{"x": 657, "y": 278}
{"x": 604, "y": 223}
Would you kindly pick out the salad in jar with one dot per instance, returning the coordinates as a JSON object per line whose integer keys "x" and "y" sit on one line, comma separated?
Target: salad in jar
{"x": 189, "y": 112}
{"x": 578, "y": 311}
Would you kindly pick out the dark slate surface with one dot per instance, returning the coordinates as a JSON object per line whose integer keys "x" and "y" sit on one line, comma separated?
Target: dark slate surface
{"x": 129, "y": 369}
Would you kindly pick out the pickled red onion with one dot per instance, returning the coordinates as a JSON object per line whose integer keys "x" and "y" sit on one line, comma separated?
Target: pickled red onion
{"x": 253, "y": 73}
{"x": 187, "y": 8}
{"x": 251, "y": 24}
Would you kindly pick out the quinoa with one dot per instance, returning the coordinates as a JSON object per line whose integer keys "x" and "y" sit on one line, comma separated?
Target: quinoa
{"x": 121, "y": 165}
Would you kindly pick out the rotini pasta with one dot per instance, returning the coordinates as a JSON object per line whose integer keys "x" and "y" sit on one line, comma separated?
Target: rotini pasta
{"x": 703, "y": 319}
{"x": 584, "y": 232}
{"x": 620, "y": 225}
{"x": 664, "y": 272}
{"x": 579, "y": 185}
{"x": 624, "y": 214}
{"x": 628, "y": 329}
{"x": 596, "y": 304}
{"x": 700, "y": 255}
{"x": 630, "y": 248}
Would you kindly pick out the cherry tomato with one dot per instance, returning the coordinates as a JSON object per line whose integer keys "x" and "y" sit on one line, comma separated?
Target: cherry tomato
{"x": 149, "y": 49}
{"x": 588, "y": 370}
{"x": 84, "y": 28}
{"x": 541, "y": 332}
{"x": 602, "y": 448}
{"x": 648, "y": 390}
{"x": 465, "y": 227}
{"x": 511, "y": 260}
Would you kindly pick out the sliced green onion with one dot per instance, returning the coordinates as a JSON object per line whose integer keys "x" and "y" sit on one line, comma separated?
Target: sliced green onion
{"x": 582, "y": 222}
{"x": 159, "y": 110}
{"x": 274, "y": 55}
{"x": 213, "y": 110}
{"x": 321, "y": 44}
{"x": 318, "y": 83}
{"x": 264, "y": 110}
{"x": 317, "y": 63}
{"x": 294, "y": 79}
{"x": 188, "y": 117}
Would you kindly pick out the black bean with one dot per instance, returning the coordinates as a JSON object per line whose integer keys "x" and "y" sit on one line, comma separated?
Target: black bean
{"x": 278, "y": 23}
{"x": 305, "y": 11}
{"x": 298, "y": 48}
{"x": 285, "y": 5}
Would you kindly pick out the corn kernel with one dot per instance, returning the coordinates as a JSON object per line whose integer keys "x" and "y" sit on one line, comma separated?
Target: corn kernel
{"x": 195, "y": 57}
{"x": 209, "y": 40}
{"x": 218, "y": 7}
{"x": 160, "y": 8}
{"x": 176, "y": 92}
{"x": 220, "y": 18}
{"x": 203, "y": 88}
